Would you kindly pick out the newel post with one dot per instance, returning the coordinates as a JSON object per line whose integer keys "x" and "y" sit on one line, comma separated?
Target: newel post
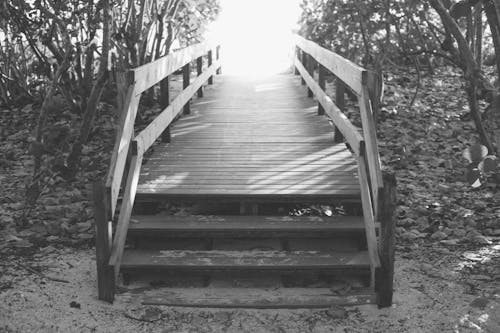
{"x": 103, "y": 236}
{"x": 385, "y": 275}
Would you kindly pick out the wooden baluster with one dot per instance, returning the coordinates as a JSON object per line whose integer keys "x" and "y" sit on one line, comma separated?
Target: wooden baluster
{"x": 199, "y": 70}
{"x": 322, "y": 84}
{"x": 217, "y": 57}
{"x": 340, "y": 101}
{"x": 210, "y": 59}
{"x": 296, "y": 56}
{"x": 105, "y": 274}
{"x": 304, "y": 62}
{"x": 186, "y": 73}
{"x": 310, "y": 69}
{"x": 164, "y": 103}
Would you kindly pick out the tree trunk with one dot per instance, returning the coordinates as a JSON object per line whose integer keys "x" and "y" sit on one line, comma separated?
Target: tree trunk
{"x": 73, "y": 159}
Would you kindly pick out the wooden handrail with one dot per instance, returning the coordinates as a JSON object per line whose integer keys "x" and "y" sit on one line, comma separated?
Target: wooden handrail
{"x": 342, "y": 68}
{"x": 364, "y": 146}
{"x": 128, "y": 148}
{"x": 140, "y": 79}
{"x": 340, "y": 120}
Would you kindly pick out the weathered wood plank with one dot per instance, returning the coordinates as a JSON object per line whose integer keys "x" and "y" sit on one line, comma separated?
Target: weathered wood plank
{"x": 372, "y": 154}
{"x": 149, "y": 135}
{"x": 121, "y": 148}
{"x": 245, "y": 226}
{"x": 349, "y": 131}
{"x": 244, "y": 260}
{"x": 125, "y": 211}
{"x": 284, "y": 298}
{"x": 348, "y": 71}
{"x": 368, "y": 217}
{"x": 150, "y": 74}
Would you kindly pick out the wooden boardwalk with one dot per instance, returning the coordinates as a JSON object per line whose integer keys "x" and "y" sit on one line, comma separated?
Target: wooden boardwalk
{"x": 252, "y": 138}
{"x": 240, "y": 144}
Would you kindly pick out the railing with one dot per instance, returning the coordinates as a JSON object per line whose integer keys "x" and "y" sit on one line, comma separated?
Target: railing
{"x": 129, "y": 149}
{"x": 363, "y": 145}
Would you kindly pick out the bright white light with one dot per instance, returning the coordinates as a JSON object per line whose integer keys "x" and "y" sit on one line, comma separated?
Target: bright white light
{"x": 256, "y": 35}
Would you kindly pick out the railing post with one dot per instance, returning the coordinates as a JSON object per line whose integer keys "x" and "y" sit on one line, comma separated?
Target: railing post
{"x": 304, "y": 63}
{"x": 310, "y": 69}
{"x": 217, "y": 57}
{"x": 199, "y": 71}
{"x": 296, "y": 55}
{"x": 322, "y": 85}
{"x": 385, "y": 275}
{"x": 340, "y": 101}
{"x": 186, "y": 73}
{"x": 165, "y": 102}
{"x": 105, "y": 275}
{"x": 210, "y": 60}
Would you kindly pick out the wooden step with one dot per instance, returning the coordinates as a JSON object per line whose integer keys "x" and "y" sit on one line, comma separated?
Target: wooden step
{"x": 178, "y": 260}
{"x": 245, "y": 226}
{"x": 256, "y": 298}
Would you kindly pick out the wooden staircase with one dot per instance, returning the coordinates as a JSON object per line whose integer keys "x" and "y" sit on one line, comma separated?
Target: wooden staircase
{"x": 244, "y": 149}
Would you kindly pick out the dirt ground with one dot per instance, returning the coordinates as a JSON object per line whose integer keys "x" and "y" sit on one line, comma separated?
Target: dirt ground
{"x": 436, "y": 292}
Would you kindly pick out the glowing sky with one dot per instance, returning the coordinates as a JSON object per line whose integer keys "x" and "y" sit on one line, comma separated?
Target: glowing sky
{"x": 256, "y": 35}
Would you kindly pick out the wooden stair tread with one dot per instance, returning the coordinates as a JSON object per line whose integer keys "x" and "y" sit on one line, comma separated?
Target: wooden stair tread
{"x": 245, "y": 225}
{"x": 243, "y": 260}
{"x": 256, "y": 298}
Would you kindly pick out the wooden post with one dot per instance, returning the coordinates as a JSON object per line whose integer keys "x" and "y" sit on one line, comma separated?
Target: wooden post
{"x": 385, "y": 275}
{"x": 105, "y": 276}
{"x": 322, "y": 84}
{"x": 295, "y": 56}
{"x": 199, "y": 70}
{"x": 304, "y": 62}
{"x": 186, "y": 73}
{"x": 340, "y": 101}
{"x": 217, "y": 56}
{"x": 210, "y": 60}
{"x": 165, "y": 102}
{"x": 310, "y": 69}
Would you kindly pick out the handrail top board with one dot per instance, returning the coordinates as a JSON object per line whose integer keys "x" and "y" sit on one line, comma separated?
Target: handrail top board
{"x": 350, "y": 73}
{"x": 146, "y": 76}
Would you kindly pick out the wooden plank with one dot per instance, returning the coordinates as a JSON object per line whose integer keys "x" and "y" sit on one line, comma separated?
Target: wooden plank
{"x": 372, "y": 154}
{"x": 125, "y": 212}
{"x": 245, "y": 226}
{"x": 283, "y": 298}
{"x": 368, "y": 217}
{"x": 105, "y": 275}
{"x": 150, "y": 74}
{"x": 341, "y": 121}
{"x": 303, "y": 197}
{"x": 244, "y": 260}
{"x": 149, "y": 135}
{"x": 346, "y": 70}
{"x": 121, "y": 148}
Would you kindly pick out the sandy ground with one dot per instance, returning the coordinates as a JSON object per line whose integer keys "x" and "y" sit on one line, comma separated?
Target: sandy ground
{"x": 427, "y": 299}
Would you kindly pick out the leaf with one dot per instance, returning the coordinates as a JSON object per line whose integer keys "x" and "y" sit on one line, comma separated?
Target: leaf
{"x": 475, "y": 153}
{"x": 488, "y": 164}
